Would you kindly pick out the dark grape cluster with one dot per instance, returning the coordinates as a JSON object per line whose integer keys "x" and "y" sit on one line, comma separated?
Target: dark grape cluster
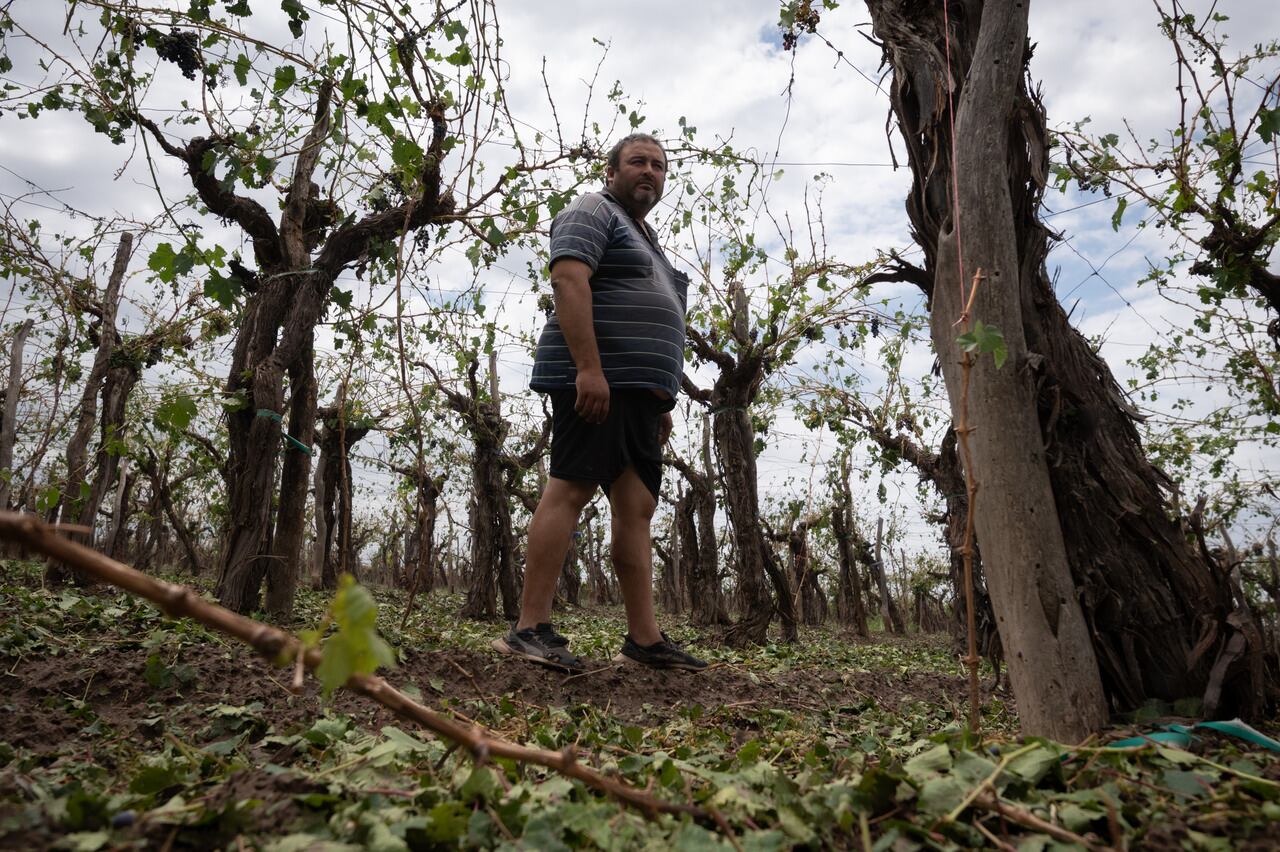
{"x": 182, "y": 49}
{"x": 805, "y": 19}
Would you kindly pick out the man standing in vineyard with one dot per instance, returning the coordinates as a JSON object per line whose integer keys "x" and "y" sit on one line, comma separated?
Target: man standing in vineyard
{"x": 610, "y": 358}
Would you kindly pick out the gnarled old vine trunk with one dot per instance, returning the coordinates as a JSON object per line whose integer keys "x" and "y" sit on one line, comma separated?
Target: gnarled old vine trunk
{"x": 850, "y": 609}
{"x": 336, "y": 438}
{"x": 701, "y": 573}
{"x": 494, "y": 570}
{"x": 76, "y": 488}
{"x": 735, "y": 389}
{"x": 810, "y": 598}
{"x": 756, "y": 564}
{"x": 1094, "y": 586}
{"x": 286, "y": 542}
{"x": 494, "y": 477}
{"x": 298, "y": 260}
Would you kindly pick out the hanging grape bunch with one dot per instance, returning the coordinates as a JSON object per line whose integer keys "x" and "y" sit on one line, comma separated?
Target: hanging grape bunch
{"x": 180, "y": 48}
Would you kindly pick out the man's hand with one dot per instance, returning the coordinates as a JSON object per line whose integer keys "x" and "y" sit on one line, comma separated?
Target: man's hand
{"x": 592, "y": 403}
{"x": 664, "y": 429}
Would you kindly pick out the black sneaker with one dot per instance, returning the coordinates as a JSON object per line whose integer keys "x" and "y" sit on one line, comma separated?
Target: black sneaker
{"x": 660, "y": 655}
{"x": 541, "y": 645}
{"x": 549, "y": 636}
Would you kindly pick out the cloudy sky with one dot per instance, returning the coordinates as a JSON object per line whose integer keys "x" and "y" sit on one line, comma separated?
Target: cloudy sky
{"x": 719, "y": 64}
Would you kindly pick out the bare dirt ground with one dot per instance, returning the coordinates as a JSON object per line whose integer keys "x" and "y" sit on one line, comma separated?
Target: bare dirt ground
{"x": 41, "y": 712}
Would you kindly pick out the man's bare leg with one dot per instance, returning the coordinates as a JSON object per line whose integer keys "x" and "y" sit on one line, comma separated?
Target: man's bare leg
{"x": 632, "y": 507}
{"x": 549, "y": 533}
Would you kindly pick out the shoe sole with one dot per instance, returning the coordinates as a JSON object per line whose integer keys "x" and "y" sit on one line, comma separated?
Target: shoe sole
{"x": 684, "y": 667}
{"x": 501, "y": 646}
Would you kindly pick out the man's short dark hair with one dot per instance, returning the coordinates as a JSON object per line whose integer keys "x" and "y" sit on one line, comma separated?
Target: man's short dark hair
{"x": 615, "y": 153}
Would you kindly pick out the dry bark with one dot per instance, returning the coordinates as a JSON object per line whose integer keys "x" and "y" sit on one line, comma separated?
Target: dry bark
{"x": 297, "y": 264}
{"x": 736, "y": 387}
{"x": 74, "y": 501}
{"x": 495, "y": 572}
{"x": 163, "y": 489}
{"x": 290, "y": 527}
{"x": 850, "y": 609}
{"x": 8, "y": 420}
{"x": 811, "y": 600}
{"x": 1093, "y": 584}
{"x": 333, "y": 501}
{"x": 420, "y": 550}
{"x": 78, "y": 446}
{"x": 118, "y": 530}
{"x": 1054, "y": 671}
{"x": 888, "y": 606}
{"x": 569, "y": 588}
{"x": 696, "y": 531}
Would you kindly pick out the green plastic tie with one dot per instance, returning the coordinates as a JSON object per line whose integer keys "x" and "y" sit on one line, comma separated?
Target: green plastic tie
{"x": 1178, "y": 739}
{"x": 1236, "y": 728}
{"x": 298, "y": 445}
{"x": 1180, "y": 736}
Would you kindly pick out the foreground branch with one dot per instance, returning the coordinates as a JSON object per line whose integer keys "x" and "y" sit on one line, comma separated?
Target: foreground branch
{"x": 274, "y": 644}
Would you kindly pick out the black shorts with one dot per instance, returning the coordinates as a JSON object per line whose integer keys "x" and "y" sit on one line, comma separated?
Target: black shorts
{"x": 630, "y": 436}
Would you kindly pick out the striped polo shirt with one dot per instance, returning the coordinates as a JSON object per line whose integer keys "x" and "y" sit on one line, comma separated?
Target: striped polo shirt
{"x": 638, "y": 301}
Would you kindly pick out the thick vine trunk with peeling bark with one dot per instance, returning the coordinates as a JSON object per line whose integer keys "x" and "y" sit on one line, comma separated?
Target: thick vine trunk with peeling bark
{"x": 282, "y": 570}
{"x": 730, "y": 398}
{"x": 494, "y": 587}
{"x": 705, "y": 589}
{"x": 569, "y": 587}
{"x": 71, "y": 500}
{"x": 494, "y": 570}
{"x": 888, "y": 606}
{"x": 756, "y": 565}
{"x": 333, "y": 504}
{"x": 163, "y": 490}
{"x": 1052, "y": 665}
{"x": 811, "y": 600}
{"x": 850, "y": 609}
{"x": 112, "y": 377}
{"x": 684, "y": 550}
{"x": 122, "y": 377}
{"x": 8, "y": 421}
{"x": 420, "y": 553}
{"x": 298, "y": 261}
{"x": 116, "y": 539}
{"x": 1101, "y": 599}
{"x": 698, "y": 553}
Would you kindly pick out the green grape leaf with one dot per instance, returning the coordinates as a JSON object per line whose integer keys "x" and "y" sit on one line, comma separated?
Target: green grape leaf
{"x": 983, "y": 339}
{"x": 407, "y": 154}
{"x": 175, "y": 413}
{"x": 1121, "y": 203}
{"x": 1268, "y": 124}
{"x": 241, "y": 68}
{"x": 162, "y": 261}
{"x": 284, "y": 78}
{"x": 356, "y": 648}
{"x": 223, "y": 289}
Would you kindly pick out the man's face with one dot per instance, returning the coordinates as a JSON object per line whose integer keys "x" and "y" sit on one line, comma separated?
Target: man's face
{"x": 638, "y": 180}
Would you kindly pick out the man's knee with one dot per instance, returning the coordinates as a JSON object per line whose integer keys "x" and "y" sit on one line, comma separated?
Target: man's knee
{"x": 626, "y": 561}
{"x": 630, "y": 500}
{"x": 568, "y": 493}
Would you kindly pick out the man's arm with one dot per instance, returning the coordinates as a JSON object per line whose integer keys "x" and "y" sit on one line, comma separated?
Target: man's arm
{"x": 571, "y": 281}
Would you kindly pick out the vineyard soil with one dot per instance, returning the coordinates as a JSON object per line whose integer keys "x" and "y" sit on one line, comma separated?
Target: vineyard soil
{"x": 124, "y": 729}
